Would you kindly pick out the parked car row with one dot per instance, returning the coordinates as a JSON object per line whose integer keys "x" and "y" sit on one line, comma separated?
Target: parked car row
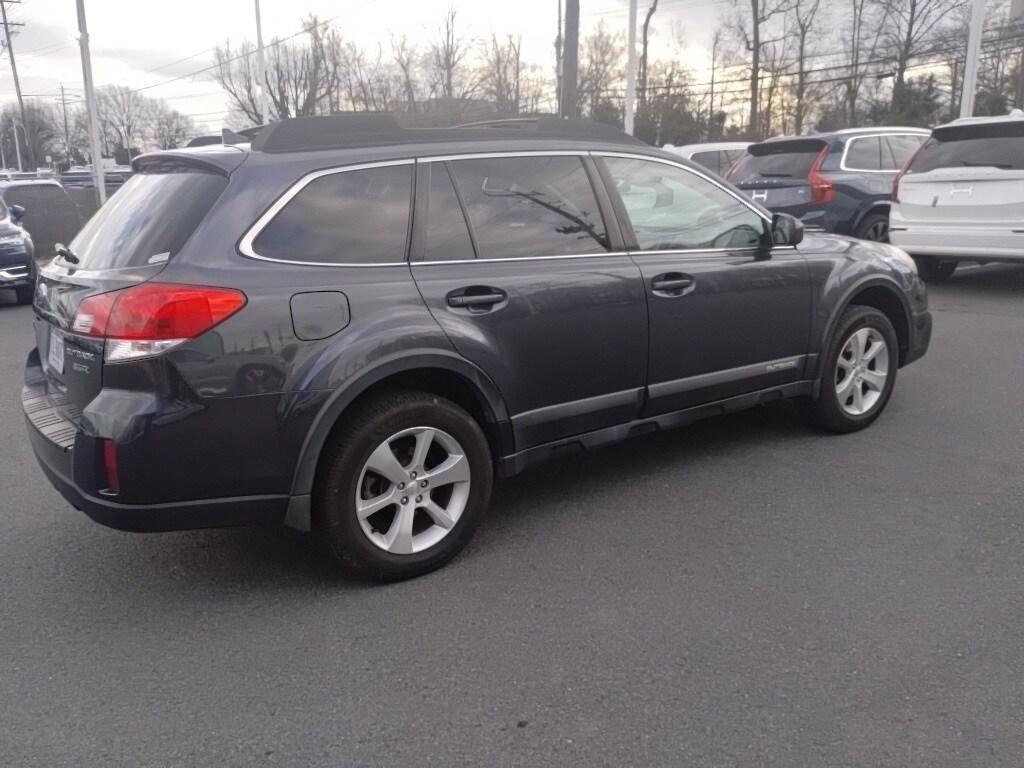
{"x": 952, "y": 194}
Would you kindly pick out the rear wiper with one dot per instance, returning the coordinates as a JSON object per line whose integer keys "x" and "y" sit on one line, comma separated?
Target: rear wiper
{"x": 777, "y": 175}
{"x": 65, "y": 253}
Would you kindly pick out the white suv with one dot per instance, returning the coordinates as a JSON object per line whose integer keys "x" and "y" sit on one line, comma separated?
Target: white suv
{"x": 961, "y": 197}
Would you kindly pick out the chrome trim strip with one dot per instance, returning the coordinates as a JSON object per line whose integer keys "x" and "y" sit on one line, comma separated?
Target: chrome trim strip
{"x": 677, "y": 386}
{"x": 846, "y": 148}
{"x": 520, "y": 258}
{"x": 508, "y": 153}
{"x": 581, "y": 407}
{"x": 694, "y": 171}
{"x": 13, "y": 273}
{"x": 245, "y": 245}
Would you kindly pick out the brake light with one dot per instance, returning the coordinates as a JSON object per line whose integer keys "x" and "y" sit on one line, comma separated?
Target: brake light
{"x": 822, "y": 189}
{"x": 149, "y": 318}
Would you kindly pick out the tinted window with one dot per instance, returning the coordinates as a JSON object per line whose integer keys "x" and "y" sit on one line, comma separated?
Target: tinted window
{"x": 864, "y": 154}
{"x": 148, "y": 220}
{"x": 447, "y": 236}
{"x": 711, "y": 160}
{"x": 352, "y": 217}
{"x": 670, "y": 208}
{"x": 901, "y": 149}
{"x": 781, "y": 165}
{"x": 999, "y": 146}
{"x": 530, "y": 206}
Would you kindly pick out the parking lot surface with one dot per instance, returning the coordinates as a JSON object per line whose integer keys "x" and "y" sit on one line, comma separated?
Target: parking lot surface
{"x": 743, "y": 592}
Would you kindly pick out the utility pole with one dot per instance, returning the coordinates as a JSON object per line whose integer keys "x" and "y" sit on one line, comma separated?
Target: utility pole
{"x": 17, "y": 146}
{"x": 971, "y": 63}
{"x": 67, "y": 131}
{"x": 570, "y": 58}
{"x": 558, "y": 60}
{"x": 17, "y": 82}
{"x": 261, "y": 67}
{"x": 630, "y": 69}
{"x": 1017, "y": 17}
{"x": 90, "y": 103}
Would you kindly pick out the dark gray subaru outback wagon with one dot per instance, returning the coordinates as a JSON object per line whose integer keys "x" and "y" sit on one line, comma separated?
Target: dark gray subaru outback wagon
{"x": 351, "y": 327}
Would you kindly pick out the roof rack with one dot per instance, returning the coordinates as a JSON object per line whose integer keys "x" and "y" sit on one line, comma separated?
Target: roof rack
{"x": 366, "y": 129}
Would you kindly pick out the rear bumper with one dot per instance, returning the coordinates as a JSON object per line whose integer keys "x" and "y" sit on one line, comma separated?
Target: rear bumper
{"x": 63, "y": 452}
{"x": 976, "y": 243}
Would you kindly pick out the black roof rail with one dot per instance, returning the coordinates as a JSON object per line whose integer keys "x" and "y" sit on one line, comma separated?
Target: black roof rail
{"x": 366, "y": 129}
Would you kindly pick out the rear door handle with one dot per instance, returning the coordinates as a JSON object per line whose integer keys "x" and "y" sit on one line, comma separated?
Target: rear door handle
{"x": 672, "y": 284}
{"x": 476, "y": 298}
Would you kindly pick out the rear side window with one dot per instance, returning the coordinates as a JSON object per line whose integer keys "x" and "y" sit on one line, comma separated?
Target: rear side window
{"x": 999, "y": 145}
{"x": 148, "y": 220}
{"x": 447, "y": 236}
{"x": 530, "y": 206}
{"x": 349, "y": 217}
{"x": 901, "y": 149}
{"x": 864, "y": 154}
{"x": 710, "y": 160}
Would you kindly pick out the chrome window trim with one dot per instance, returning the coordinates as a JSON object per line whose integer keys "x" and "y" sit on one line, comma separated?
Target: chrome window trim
{"x": 506, "y": 153}
{"x": 619, "y": 254}
{"x": 694, "y": 171}
{"x": 846, "y": 148}
{"x": 245, "y": 245}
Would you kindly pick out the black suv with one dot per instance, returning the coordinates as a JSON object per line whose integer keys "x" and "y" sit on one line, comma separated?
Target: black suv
{"x": 352, "y": 327}
{"x": 840, "y": 182}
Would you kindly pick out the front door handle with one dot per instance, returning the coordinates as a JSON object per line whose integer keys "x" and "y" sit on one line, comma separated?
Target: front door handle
{"x": 672, "y": 284}
{"x": 476, "y": 298}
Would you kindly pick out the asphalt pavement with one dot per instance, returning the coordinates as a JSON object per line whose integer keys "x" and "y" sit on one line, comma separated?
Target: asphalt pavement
{"x": 743, "y": 592}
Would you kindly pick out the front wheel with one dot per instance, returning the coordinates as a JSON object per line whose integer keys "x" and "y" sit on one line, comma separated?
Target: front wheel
{"x": 403, "y": 486}
{"x": 859, "y": 372}
{"x": 933, "y": 270}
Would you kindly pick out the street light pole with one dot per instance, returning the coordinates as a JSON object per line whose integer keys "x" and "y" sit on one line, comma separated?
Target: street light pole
{"x": 261, "y": 68}
{"x": 90, "y": 103}
{"x": 631, "y": 69}
{"x": 973, "y": 53}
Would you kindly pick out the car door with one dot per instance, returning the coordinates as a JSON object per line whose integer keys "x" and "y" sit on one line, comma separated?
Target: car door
{"x": 728, "y": 314}
{"x": 514, "y": 258}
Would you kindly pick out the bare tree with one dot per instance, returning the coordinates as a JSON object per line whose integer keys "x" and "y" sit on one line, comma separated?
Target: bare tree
{"x": 862, "y": 40}
{"x": 124, "y": 113}
{"x": 912, "y": 27}
{"x": 236, "y": 73}
{"x": 40, "y": 134}
{"x": 168, "y": 128}
{"x": 601, "y": 68}
{"x": 751, "y": 30}
{"x": 447, "y": 61}
{"x": 405, "y": 55}
{"x": 802, "y": 15}
{"x": 500, "y": 77}
{"x": 645, "y": 34}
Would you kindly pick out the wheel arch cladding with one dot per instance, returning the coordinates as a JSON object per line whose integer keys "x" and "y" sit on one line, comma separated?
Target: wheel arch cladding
{"x": 451, "y": 378}
{"x": 889, "y": 302}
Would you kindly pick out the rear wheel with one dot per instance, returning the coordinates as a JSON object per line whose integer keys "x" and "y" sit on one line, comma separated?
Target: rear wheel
{"x": 859, "y": 372}
{"x": 23, "y": 294}
{"x": 935, "y": 270}
{"x": 403, "y": 486}
{"x": 874, "y": 227}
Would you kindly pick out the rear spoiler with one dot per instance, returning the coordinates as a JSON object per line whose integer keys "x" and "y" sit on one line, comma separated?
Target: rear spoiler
{"x": 787, "y": 146}
{"x": 996, "y": 130}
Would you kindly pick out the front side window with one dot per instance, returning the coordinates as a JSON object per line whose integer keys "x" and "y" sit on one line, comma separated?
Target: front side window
{"x": 673, "y": 209}
{"x": 530, "y": 206}
{"x": 864, "y": 154}
{"x": 351, "y": 217}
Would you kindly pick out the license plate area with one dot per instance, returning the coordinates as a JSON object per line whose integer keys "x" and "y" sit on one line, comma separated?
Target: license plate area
{"x": 55, "y": 355}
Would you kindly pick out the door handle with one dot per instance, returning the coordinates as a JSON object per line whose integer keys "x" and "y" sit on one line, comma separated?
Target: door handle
{"x": 476, "y": 298}
{"x": 672, "y": 284}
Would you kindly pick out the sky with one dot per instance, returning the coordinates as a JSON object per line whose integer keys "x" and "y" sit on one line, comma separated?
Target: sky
{"x": 157, "y": 46}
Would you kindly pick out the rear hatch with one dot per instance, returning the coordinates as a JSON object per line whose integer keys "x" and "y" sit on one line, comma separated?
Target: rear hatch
{"x": 129, "y": 241}
{"x": 967, "y": 175}
{"x": 777, "y": 174}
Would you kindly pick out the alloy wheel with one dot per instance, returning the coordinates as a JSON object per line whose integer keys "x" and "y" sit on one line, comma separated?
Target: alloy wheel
{"x": 412, "y": 490}
{"x": 861, "y": 371}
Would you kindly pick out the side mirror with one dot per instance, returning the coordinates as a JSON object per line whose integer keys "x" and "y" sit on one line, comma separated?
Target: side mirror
{"x": 17, "y": 212}
{"x": 786, "y": 229}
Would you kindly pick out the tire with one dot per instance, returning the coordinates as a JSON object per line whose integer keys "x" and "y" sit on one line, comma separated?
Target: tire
{"x": 874, "y": 227}
{"x": 837, "y": 412}
{"x": 377, "y": 546}
{"x": 933, "y": 270}
{"x": 23, "y": 294}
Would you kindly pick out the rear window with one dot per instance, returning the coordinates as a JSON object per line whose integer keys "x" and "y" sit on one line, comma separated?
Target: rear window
{"x": 349, "y": 217}
{"x": 778, "y": 162}
{"x": 148, "y": 220}
{"x": 999, "y": 145}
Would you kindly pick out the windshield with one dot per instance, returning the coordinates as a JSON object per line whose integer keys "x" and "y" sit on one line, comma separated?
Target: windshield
{"x": 999, "y": 146}
{"x": 148, "y": 220}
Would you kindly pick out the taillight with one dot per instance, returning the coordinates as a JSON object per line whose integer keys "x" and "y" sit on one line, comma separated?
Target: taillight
{"x": 822, "y": 189}
{"x": 903, "y": 172}
{"x": 110, "y": 468}
{"x": 149, "y": 318}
